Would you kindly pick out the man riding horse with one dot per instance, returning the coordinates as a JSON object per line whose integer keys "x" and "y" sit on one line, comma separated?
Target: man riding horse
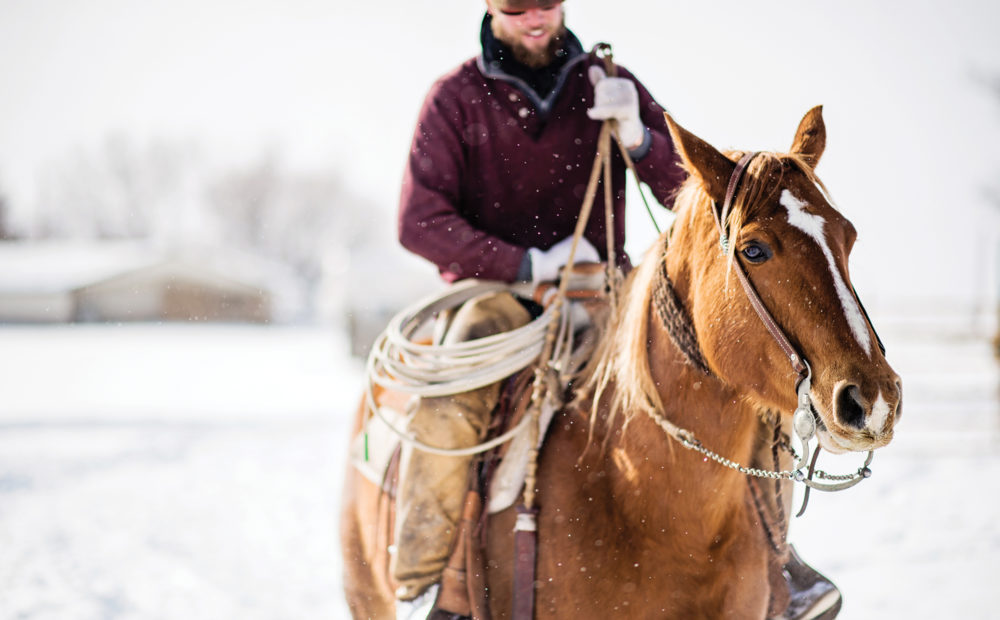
{"x": 497, "y": 169}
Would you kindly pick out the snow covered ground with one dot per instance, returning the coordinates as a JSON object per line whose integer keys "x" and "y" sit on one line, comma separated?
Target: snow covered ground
{"x": 193, "y": 472}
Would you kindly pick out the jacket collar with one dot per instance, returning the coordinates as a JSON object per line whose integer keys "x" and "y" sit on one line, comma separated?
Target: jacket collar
{"x": 541, "y": 86}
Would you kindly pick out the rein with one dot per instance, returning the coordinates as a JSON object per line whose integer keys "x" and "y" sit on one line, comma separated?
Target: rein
{"x": 526, "y": 528}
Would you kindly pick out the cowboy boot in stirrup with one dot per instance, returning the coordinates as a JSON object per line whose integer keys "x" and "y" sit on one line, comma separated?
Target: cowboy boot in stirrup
{"x": 813, "y": 596}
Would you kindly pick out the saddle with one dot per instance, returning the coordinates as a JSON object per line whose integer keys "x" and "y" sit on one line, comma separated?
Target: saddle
{"x": 497, "y": 477}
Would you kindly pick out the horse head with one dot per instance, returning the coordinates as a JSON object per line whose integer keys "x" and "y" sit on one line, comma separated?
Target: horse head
{"x": 793, "y": 244}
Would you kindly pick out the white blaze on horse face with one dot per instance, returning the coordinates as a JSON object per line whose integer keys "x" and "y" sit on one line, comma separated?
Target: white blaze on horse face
{"x": 812, "y": 225}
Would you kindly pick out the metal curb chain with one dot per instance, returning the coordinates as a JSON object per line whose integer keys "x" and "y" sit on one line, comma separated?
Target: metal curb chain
{"x": 689, "y": 441}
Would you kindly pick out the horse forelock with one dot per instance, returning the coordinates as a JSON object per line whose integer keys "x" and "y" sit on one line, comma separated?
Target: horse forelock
{"x": 760, "y": 187}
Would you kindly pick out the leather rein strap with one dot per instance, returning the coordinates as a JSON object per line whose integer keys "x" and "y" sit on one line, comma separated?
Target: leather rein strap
{"x": 721, "y": 221}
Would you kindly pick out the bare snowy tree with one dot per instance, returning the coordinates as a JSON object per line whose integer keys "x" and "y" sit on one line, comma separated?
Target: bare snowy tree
{"x": 241, "y": 198}
{"x": 120, "y": 191}
{"x": 289, "y": 216}
{"x": 166, "y": 190}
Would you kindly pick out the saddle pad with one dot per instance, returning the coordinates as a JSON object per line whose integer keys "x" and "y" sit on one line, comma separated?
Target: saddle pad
{"x": 373, "y": 447}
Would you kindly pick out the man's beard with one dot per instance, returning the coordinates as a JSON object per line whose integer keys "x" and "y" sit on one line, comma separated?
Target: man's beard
{"x": 531, "y": 58}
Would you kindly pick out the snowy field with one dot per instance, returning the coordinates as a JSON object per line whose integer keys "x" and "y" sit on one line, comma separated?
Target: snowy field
{"x": 192, "y": 472}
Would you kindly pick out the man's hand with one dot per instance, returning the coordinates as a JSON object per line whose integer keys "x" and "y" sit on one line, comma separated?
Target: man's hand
{"x": 617, "y": 98}
{"x": 545, "y": 264}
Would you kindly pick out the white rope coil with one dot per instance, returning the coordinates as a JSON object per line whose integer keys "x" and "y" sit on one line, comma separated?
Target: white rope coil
{"x": 398, "y": 363}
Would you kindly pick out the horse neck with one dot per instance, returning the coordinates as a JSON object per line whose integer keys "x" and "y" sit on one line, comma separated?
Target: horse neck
{"x": 647, "y": 462}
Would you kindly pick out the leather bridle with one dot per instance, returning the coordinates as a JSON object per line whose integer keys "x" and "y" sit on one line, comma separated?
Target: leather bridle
{"x": 805, "y": 419}
{"x": 799, "y": 365}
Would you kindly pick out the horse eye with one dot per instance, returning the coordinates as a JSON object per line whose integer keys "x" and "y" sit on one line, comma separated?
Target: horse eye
{"x": 756, "y": 252}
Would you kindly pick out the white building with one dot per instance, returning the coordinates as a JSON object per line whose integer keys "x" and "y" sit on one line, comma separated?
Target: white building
{"x": 61, "y": 282}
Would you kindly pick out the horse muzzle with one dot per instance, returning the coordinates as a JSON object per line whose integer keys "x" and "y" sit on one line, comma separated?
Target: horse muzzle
{"x": 859, "y": 423}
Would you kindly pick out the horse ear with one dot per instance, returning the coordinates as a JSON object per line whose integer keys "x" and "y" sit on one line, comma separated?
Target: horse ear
{"x": 701, "y": 159}
{"x": 810, "y": 138}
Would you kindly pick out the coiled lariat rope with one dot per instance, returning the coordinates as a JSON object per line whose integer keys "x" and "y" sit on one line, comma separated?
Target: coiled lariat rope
{"x": 398, "y": 363}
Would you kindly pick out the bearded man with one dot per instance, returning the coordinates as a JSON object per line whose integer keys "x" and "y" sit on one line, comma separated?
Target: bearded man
{"x": 497, "y": 172}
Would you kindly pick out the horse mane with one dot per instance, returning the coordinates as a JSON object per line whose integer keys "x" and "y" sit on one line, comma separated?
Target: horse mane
{"x": 621, "y": 359}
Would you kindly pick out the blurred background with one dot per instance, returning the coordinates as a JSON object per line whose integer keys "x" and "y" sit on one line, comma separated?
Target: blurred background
{"x": 197, "y": 245}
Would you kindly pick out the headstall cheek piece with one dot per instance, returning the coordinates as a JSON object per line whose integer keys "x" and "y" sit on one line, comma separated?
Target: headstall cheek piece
{"x": 721, "y": 221}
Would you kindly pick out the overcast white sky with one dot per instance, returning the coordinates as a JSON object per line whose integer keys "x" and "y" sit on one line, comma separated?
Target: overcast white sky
{"x": 912, "y": 130}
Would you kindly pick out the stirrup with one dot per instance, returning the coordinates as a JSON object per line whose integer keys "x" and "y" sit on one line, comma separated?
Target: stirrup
{"x": 812, "y": 595}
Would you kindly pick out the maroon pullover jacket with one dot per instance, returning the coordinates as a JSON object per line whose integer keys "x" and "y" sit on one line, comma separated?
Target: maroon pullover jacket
{"x": 495, "y": 169}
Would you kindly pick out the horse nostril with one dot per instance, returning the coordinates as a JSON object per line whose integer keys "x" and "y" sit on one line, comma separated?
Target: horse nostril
{"x": 849, "y": 409}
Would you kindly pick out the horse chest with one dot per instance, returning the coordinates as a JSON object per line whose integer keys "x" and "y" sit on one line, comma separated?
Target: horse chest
{"x": 643, "y": 583}
{"x": 595, "y": 559}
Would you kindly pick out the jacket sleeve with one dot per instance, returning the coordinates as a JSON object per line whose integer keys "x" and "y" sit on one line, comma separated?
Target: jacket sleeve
{"x": 431, "y": 223}
{"x": 657, "y": 162}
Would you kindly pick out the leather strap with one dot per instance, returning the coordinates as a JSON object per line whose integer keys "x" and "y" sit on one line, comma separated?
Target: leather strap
{"x": 881, "y": 347}
{"x": 525, "y": 550}
{"x": 772, "y": 326}
{"x": 721, "y": 221}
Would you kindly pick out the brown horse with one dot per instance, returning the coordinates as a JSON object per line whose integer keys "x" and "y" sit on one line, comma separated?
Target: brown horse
{"x": 632, "y": 524}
